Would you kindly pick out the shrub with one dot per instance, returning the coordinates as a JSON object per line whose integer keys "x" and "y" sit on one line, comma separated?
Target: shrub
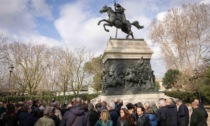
{"x": 170, "y": 78}
{"x": 47, "y": 98}
{"x": 186, "y": 97}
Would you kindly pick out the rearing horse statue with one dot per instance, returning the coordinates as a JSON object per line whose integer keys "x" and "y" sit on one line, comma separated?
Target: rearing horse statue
{"x": 114, "y": 21}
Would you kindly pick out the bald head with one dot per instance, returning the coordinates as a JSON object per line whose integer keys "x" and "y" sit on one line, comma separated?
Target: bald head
{"x": 169, "y": 101}
{"x": 99, "y": 100}
{"x": 78, "y": 101}
{"x": 197, "y": 101}
{"x": 194, "y": 105}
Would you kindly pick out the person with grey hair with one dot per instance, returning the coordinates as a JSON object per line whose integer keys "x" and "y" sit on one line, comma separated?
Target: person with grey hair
{"x": 57, "y": 111}
{"x": 183, "y": 113}
{"x": 46, "y": 120}
{"x": 154, "y": 107}
{"x": 113, "y": 113}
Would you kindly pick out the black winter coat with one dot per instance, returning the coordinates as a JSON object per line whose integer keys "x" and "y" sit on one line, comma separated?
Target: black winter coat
{"x": 142, "y": 121}
{"x": 93, "y": 117}
{"x": 161, "y": 116}
{"x": 114, "y": 116}
{"x": 26, "y": 119}
{"x": 183, "y": 115}
{"x": 171, "y": 115}
{"x": 198, "y": 118}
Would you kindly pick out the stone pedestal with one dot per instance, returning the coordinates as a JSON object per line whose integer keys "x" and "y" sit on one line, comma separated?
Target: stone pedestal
{"x": 132, "y": 49}
{"x": 127, "y": 68}
{"x": 134, "y": 98}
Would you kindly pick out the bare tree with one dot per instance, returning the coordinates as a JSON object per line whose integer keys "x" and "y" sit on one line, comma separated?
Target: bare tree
{"x": 29, "y": 66}
{"x": 183, "y": 36}
{"x": 80, "y": 74}
{"x": 4, "y": 64}
{"x": 62, "y": 72}
{"x": 68, "y": 73}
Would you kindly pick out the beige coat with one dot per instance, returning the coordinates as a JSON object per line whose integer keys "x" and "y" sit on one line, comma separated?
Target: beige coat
{"x": 45, "y": 121}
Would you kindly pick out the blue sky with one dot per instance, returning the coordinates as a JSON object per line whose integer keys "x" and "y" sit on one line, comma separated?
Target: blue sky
{"x": 73, "y": 23}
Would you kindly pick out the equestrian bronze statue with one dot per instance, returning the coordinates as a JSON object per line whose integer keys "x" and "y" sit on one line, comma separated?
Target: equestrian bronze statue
{"x": 117, "y": 18}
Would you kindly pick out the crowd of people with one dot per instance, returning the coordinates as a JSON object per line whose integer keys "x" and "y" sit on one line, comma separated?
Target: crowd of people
{"x": 166, "y": 112}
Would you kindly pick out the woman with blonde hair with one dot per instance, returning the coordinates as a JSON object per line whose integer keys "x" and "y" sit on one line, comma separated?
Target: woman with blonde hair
{"x": 104, "y": 119}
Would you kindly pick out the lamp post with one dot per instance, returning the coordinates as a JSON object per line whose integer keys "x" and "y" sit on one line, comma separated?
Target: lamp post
{"x": 11, "y": 67}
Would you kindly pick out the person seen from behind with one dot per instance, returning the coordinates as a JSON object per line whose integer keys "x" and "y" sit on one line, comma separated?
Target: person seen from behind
{"x": 183, "y": 114}
{"x": 46, "y": 120}
{"x": 104, "y": 119}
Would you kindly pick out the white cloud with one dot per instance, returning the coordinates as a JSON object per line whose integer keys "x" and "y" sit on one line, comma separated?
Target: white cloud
{"x": 18, "y": 21}
{"x": 40, "y": 8}
{"x": 205, "y": 2}
{"x": 161, "y": 15}
{"x": 15, "y": 18}
{"x": 78, "y": 30}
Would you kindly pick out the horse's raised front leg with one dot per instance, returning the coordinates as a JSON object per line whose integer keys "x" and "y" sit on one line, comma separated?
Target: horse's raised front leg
{"x": 102, "y": 21}
{"x": 107, "y": 25}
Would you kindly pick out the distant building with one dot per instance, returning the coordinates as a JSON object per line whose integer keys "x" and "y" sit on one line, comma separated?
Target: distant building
{"x": 85, "y": 90}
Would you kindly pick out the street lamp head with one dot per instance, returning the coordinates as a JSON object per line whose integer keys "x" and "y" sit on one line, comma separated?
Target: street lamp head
{"x": 11, "y": 68}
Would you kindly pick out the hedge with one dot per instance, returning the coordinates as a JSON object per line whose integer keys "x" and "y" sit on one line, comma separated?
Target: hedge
{"x": 187, "y": 97}
{"x": 47, "y": 98}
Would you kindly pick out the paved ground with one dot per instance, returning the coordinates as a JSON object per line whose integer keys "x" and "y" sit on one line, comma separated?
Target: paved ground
{"x": 208, "y": 121}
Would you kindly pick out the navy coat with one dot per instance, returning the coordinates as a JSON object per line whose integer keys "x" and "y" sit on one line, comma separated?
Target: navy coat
{"x": 161, "y": 116}
{"x": 171, "y": 115}
{"x": 114, "y": 116}
{"x": 76, "y": 116}
{"x": 183, "y": 115}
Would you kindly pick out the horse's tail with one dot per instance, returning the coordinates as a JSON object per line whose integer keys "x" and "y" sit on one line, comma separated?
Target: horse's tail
{"x": 136, "y": 24}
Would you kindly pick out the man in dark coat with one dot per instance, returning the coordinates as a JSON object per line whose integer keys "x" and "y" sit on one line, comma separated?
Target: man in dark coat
{"x": 35, "y": 109}
{"x": 161, "y": 112}
{"x": 171, "y": 113}
{"x": 142, "y": 120}
{"x": 113, "y": 113}
{"x": 183, "y": 114}
{"x": 201, "y": 107}
{"x": 76, "y": 116}
{"x": 198, "y": 116}
{"x": 93, "y": 115}
{"x": 25, "y": 117}
{"x": 131, "y": 110}
{"x": 118, "y": 105}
